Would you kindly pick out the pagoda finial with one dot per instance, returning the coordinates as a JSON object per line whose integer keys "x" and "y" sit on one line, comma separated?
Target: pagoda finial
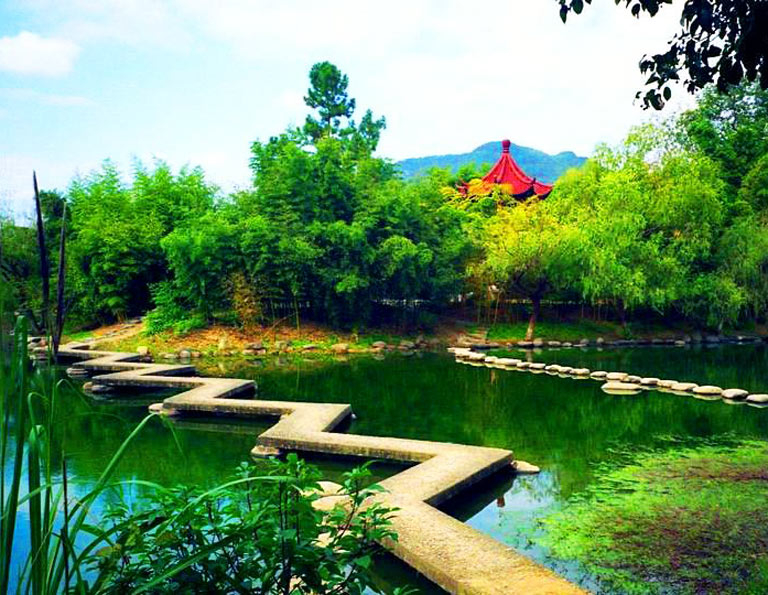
{"x": 505, "y": 145}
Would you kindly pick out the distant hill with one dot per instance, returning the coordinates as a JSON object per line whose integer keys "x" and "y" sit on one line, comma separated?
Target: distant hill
{"x": 543, "y": 166}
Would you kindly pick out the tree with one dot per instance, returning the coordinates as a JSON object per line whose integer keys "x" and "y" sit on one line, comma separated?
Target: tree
{"x": 731, "y": 129}
{"x": 721, "y": 42}
{"x": 529, "y": 252}
{"x": 328, "y": 95}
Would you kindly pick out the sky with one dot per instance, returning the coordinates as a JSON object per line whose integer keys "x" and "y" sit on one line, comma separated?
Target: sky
{"x": 196, "y": 81}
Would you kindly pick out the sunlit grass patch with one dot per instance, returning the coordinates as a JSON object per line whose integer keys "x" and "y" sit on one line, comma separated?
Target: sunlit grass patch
{"x": 687, "y": 520}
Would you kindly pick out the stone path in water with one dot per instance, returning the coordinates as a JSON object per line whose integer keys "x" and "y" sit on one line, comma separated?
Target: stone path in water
{"x": 445, "y": 550}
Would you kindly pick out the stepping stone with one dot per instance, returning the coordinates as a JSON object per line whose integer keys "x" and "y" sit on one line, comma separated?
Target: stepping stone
{"x": 666, "y": 383}
{"x": 633, "y": 379}
{"x": 507, "y": 361}
{"x": 580, "y": 372}
{"x": 521, "y": 467}
{"x": 523, "y": 365}
{"x": 735, "y": 394}
{"x": 598, "y": 374}
{"x": 552, "y": 368}
{"x": 650, "y": 381}
{"x": 616, "y": 376}
{"x": 620, "y": 388}
{"x": 758, "y": 399}
{"x": 708, "y": 390}
{"x": 537, "y": 366}
{"x": 683, "y": 387}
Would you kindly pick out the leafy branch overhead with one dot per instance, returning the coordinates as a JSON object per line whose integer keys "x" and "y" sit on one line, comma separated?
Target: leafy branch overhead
{"x": 720, "y": 42}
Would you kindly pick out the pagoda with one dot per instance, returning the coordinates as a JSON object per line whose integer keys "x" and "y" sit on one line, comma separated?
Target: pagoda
{"x": 507, "y": 174}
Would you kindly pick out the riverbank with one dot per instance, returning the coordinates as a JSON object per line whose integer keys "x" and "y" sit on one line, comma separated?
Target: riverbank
{"x": 319, "y": 340}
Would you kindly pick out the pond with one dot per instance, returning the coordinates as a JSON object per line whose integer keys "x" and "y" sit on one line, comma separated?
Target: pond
{"x": 563, "y": 425}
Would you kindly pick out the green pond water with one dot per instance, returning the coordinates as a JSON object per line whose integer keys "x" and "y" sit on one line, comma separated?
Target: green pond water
{"x": 563, "y": 425}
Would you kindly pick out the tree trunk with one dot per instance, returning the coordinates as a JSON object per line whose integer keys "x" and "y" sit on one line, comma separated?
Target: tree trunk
{"x": 536, "y": 300}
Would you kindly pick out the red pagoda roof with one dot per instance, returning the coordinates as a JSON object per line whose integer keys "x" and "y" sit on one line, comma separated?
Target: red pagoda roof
{"x": 507, "y": 173}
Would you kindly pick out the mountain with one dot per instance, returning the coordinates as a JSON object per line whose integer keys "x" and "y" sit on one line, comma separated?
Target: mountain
{"x": 538, "y": 164}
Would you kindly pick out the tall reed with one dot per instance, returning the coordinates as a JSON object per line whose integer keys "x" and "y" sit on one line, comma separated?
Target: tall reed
{"x": 31, "y": 480}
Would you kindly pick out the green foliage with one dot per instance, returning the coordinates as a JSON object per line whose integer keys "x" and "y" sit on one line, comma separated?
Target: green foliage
{"x": 260, "y": 532}
{"x": 117, "y": 231}
{"x": 720, "y": 41}
{"x": 668, "y": 521}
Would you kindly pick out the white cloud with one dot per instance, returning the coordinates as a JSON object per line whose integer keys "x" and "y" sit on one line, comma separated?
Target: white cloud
{"x": 29, "y": 53}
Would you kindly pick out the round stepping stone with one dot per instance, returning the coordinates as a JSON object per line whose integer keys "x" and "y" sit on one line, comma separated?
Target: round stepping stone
{"x": 620, "y": 388}
{"x": 666, "y": 383}
{"x": 650, "y": 381}
{"x": 598, "y": 374}
{"x": 735, "y": 394}
{"x": 523, "y": 365}
{"x": 633, "y": 379}
{"x": 708, "y": 390}
{"x": 616, "y": 376}
{"x": 507, "y": 361}
{"x": 565, "y": 369}
{"x": 580, "y": 372}
{"x": 684, "y": 387}
{"x": 552, "y": 368}
{"x": 491, "y": 359}
{"x": 758, "y": 399}
{"x": 537, "y": 366}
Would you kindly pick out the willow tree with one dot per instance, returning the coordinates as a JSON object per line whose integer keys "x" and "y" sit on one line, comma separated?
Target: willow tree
{"x": 531, "y": 253}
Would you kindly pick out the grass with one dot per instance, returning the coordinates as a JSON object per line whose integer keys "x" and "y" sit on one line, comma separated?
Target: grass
{"x": 687, "y": 520}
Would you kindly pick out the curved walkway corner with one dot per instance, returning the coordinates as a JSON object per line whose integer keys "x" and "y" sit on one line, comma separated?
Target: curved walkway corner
{"x": 450, "y": 553}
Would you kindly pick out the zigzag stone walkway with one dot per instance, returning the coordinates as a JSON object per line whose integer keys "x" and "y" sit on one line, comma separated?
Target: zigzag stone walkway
{"x": 458, "y": 558}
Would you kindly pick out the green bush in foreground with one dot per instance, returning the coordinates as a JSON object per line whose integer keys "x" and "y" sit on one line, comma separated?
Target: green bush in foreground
{"x": 690, "y": 520}
{"x": 258, "y": 533}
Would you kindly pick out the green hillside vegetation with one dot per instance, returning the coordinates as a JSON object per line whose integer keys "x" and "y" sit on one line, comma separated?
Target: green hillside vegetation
{"x": 537, "y": 164}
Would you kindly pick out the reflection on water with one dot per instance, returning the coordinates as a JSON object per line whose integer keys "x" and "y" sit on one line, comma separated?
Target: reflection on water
{"x": 562, "y": 425}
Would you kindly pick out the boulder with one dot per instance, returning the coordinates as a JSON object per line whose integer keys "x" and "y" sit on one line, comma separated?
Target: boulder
{"x": 185, "y": 354}
{"x": 616, "y": 376}
{"x": 735, "y": 394}
{"x": 340, "y": 348}
{"x": 142, "y": 350}
{"x": 708, "y": 390}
